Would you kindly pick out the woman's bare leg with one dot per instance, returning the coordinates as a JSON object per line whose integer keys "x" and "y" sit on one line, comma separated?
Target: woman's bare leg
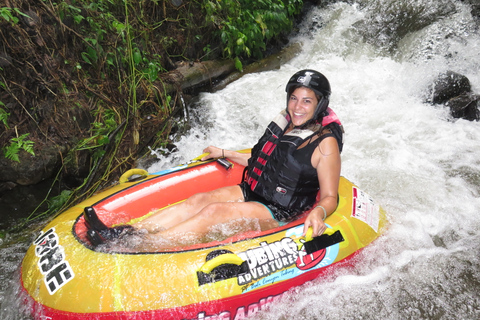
{"x": 197, "y": 226}
{"x": 171, "y": 216}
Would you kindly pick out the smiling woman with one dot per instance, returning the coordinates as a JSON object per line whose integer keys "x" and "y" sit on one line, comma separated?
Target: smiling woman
{"x": 298, "y": 155}
{"x": 314, "y": 85}
{"x": 301, "y": 105}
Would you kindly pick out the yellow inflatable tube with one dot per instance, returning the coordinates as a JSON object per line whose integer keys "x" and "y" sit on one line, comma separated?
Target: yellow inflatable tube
{"x": 66, "y": 278}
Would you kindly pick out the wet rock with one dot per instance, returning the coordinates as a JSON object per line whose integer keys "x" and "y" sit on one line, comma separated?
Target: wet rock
{"x": 454, "y": 91}
{"x": 6, "y": 186}
{"x": 30, "y": 169}
{"x": 475, "y": 7}
{"x": 447, "y": 86}
{"x": 465, "y": 106}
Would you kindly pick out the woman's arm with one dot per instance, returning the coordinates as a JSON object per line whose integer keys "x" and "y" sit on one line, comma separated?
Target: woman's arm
{"x": 326, "y": 159}
{"x": 238, "y": 157}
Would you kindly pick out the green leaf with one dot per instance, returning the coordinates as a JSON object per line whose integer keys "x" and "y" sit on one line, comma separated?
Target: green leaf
{"x": 28, "y": 147}
{"x": 11, "y": 152}
{"x": 103, "y": 140}
{"x": 55, "y": 203}
{"x": 4, "y": 115}
{"x": 78, "y": 19}
{"x": 120, "y": 27}
{"x": 238, "y": 64}
{"x": 85, "y": 58}
{"x": 137, "y": 56}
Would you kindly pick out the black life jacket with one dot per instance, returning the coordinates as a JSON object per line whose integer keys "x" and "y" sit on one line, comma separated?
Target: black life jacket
{"x": 280, "y": 172}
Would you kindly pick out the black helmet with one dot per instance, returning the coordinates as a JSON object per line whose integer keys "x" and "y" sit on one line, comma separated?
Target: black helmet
{"x": 315, "y": 81}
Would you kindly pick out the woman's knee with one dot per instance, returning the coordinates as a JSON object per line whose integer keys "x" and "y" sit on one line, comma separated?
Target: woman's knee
{"x": 218, "y": 212}
{"x": 212, "y": 209}
{"x": 198, "y": 199}
{"x": 221, "y": 195}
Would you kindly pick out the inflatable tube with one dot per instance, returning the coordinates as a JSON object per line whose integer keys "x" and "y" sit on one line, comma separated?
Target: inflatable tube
{"x": 66, "y": 278}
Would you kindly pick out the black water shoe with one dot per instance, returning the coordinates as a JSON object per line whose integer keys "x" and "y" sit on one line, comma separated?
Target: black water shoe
{"x": 116, "y": 232}
{"x": 108, "y": 234}
{"x": 94, "y": 238}
{"x": 92, "y": 221}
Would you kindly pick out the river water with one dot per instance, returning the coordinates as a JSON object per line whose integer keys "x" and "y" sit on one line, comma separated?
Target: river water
{"x": 421, "y": 165}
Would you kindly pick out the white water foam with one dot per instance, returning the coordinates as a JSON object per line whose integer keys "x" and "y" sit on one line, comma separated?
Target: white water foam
{"x": 412, "y": 157}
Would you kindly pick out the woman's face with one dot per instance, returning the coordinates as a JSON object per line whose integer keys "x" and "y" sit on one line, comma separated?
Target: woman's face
{"x": 301, "y": 105}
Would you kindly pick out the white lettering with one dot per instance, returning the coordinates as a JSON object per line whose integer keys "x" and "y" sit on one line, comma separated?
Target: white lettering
{"x": 266, "y": 247}
{"x": 240, "y": 314}
{"x": 260, "y": 255}
{"x": 52, "y": 264}
{"x": 267, "y": 259}
{"x": 252, "y": 309}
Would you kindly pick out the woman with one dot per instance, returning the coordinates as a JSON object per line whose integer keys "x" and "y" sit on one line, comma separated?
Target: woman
{"x": 299, "y": 152}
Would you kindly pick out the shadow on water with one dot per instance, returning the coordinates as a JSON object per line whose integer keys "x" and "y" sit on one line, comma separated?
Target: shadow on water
{"x": 17, "y": 204}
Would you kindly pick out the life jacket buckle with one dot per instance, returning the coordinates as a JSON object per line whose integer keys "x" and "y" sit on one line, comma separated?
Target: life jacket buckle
{"x": 281, "y": 190}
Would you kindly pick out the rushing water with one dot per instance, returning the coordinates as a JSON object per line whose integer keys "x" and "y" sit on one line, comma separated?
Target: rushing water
{"x": 381, "y": 57}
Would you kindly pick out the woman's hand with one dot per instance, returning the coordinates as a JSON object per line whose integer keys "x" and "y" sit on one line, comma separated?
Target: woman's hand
{"x": 315, "y": 220}
{"x": 213, "y": 153}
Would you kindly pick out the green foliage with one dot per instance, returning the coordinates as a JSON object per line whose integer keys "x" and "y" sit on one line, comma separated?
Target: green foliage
{"x": 101, "y": 20}
{"x": 4, "y": 115}
{"x": 244, "y": 26}
{"x": 238, "y": 64}
{"x": 100, "y": 132}
{"x": 10, "y": 14}
{"x": 121, "y": 46}
{"x": 57, "y": 202}
{"x": 17, "y": 144}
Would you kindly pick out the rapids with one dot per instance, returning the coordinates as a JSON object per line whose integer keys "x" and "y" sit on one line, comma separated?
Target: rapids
{"x": 421, "y": 165}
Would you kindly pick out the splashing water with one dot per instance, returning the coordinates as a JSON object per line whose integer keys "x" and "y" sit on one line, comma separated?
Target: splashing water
{"x": 412, "y": 157}
{"x": 419, "y": 163}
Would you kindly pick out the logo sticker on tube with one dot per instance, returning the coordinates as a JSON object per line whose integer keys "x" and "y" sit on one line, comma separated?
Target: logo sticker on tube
{"x": 365, "y": 209}
{"x": 52, "y": 264}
